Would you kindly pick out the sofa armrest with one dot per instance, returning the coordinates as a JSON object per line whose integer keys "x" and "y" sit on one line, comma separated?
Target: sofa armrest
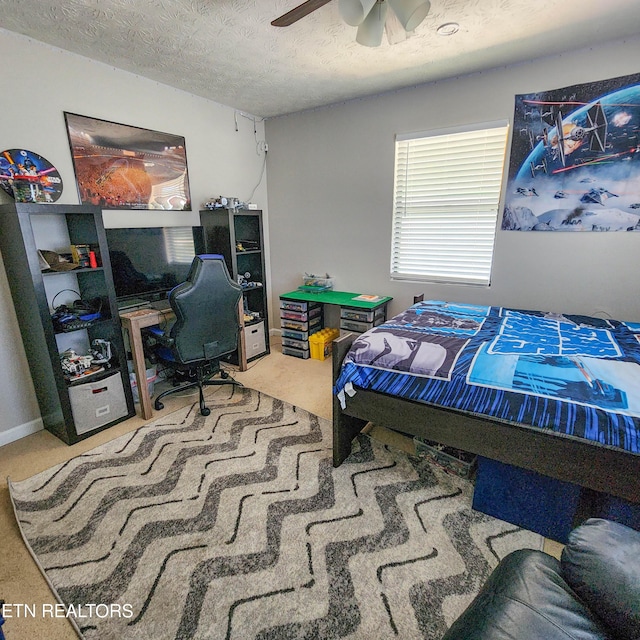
{"x": 526, "y": 597}
{"x": 601, "y": 563}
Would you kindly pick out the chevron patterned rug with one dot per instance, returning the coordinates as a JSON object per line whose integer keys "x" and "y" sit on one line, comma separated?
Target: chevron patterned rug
{"x": 237, "y": 526}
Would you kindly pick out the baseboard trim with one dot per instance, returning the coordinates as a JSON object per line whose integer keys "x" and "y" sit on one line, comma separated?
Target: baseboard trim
{"x": 21, "y": 431}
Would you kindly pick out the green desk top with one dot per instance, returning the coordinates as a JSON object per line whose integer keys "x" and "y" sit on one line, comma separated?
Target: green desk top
{"x": 342, "y": 298}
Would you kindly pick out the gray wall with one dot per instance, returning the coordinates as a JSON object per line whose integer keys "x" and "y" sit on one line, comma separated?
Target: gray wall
{"x": 331, "y": 182}
{"x": 42, "y": 83}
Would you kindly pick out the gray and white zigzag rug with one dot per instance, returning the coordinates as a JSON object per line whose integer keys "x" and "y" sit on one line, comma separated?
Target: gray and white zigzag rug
{"x": 237, "y": 526}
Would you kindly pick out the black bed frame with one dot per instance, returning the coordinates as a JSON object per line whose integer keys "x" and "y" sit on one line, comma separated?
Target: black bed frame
{"x": 596, "y": 468}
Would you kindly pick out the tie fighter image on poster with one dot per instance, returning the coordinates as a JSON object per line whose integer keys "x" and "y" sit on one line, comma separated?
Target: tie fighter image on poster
{"x": 570, "y": 134}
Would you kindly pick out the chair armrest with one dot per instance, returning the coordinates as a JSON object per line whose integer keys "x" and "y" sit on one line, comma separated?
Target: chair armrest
{"x": 159, "y": 335}
{"x": 601, "y": 563}
{"x": 166, "y": 341}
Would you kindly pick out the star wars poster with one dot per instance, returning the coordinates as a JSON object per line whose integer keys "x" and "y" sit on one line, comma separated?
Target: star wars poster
{"x": 575, "y": 159}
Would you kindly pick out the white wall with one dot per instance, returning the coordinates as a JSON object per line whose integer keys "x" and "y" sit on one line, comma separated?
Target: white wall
{"x": 42, "y": 82}
{"x": 331, "y": 183}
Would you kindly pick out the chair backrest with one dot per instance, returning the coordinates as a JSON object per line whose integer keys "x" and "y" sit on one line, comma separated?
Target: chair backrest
{"x": 207, "y": 311}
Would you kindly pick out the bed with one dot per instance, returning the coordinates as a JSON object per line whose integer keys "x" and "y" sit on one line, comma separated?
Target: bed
{"x": 556, "y": 394}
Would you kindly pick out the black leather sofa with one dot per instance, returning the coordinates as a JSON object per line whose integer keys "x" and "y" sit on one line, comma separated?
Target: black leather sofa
{"x": 592, "y": 593}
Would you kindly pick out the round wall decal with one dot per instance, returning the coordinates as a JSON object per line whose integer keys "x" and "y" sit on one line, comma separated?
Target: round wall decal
{"x": 28, "y": 177}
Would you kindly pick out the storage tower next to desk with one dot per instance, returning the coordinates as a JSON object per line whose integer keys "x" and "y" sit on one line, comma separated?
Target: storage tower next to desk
{"x": 68, "y": 318}
{"x": 237, "y": 234}
{"x": 299, "y": 320}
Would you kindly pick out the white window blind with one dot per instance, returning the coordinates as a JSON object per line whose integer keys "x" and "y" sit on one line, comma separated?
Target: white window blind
{"x": 446, "y": 196}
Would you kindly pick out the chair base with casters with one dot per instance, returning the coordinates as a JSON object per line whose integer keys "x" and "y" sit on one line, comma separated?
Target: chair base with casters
{"x": 203, "y": 378}
{"x": 207, "y": 327}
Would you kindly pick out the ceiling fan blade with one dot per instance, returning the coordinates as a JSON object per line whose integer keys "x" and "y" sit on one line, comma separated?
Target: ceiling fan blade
{"x": 299, "y": 12}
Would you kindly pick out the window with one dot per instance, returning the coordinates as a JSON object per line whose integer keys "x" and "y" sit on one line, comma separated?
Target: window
{"x": 446, "y": 196}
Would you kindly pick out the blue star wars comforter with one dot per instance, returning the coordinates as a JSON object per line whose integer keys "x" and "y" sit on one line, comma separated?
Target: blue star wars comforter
{"x": 575, "y": 375}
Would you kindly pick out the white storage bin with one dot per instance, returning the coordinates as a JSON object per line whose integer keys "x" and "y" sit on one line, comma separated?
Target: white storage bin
{"x": 255, "y": 343}
{"x": 95, "y": 404}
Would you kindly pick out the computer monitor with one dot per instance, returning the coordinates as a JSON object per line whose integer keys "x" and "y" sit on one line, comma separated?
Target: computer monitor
{"x": 148, "y": 262}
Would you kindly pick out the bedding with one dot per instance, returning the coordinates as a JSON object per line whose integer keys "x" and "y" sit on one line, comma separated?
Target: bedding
{"x": 570, "y": 375}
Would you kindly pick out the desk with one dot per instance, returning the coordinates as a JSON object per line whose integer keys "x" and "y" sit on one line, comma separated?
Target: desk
{"x": 342, "y": 299}
{"x": 134, "y": 322}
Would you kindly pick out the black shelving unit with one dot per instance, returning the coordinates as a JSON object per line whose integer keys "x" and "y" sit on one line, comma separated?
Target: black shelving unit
{"x": 72, "y": 409}
{"x": 237, "y": 234}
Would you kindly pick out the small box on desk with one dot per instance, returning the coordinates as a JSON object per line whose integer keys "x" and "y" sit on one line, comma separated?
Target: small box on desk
{"x": 314, "y": 284}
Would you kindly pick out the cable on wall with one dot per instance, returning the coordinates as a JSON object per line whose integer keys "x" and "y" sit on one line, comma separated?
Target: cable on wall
{"x": 248, "y": 117}
{"x": 264, "y": 164}
{"x": 261, "y": 146}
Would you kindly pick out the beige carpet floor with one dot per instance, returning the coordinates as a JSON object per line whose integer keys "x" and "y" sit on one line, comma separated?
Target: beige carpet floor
{"x": 304, "y": 383}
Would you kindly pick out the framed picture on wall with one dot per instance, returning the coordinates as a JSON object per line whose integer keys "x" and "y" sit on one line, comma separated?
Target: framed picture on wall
{"x": 119, "y": 166}
{"x": 574, "y": 159}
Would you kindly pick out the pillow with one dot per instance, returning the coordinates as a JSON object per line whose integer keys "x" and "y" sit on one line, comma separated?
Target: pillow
{"x": 601, "y": 563}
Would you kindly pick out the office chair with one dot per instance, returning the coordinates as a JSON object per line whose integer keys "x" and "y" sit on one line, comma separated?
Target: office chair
{"x": 207, "y": 326}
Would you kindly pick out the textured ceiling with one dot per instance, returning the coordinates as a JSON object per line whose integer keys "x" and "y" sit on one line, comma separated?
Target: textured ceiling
{"x": 227, "y": 51}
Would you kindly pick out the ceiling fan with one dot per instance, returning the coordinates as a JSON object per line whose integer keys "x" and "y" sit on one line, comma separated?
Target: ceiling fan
{"x": 372, "y": 17}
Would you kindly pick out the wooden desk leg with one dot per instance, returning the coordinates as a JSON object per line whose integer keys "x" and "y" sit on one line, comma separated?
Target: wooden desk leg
{"x": 135, "y": 338}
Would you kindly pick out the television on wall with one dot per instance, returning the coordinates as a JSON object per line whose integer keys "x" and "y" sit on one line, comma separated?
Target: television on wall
{"x": 119, "y": 166}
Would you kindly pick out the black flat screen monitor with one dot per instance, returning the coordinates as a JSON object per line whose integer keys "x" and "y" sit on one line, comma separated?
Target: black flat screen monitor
{"x": 148, "y": 262}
